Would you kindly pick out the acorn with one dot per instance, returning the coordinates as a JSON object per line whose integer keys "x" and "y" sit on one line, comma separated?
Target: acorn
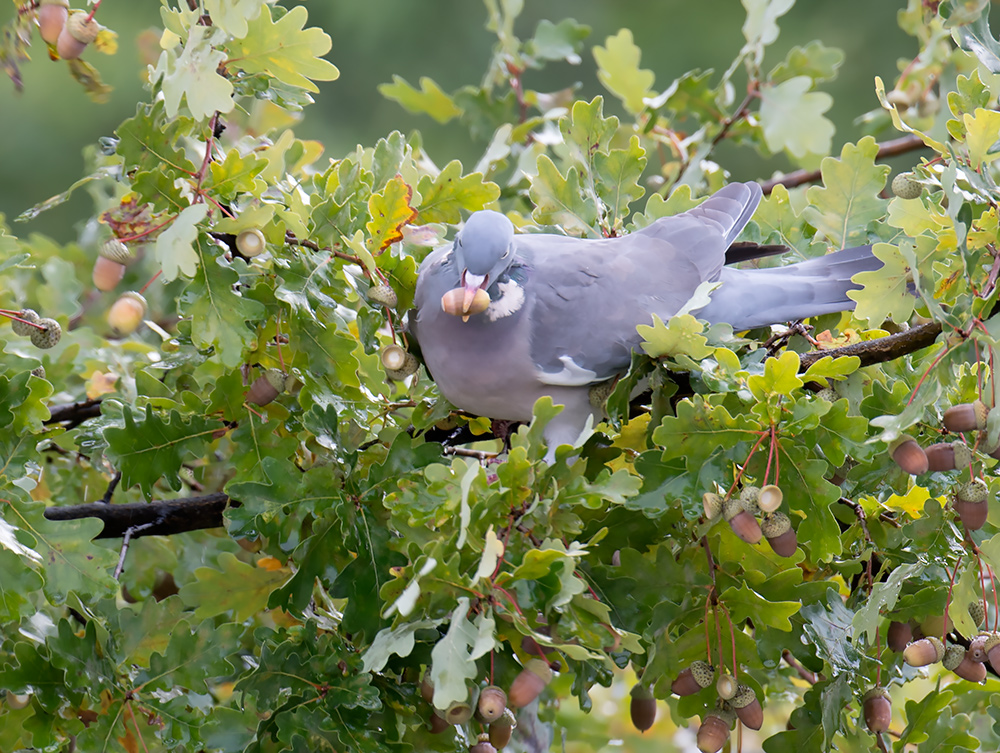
{"x": 743, "y": 523}
{"x": 600, "y": 392}
{"x": 748, "y": 707}
{"x": 978, "y": 613}
{"x": 17, "y": 701}
{"x": 642, "y": 708}
{"x": 453, "y": 302}
{"x": 877, "y": 709}
{"x": 947, "y": 456}
{"x": 693, "y": 678}
{"x": 906, "y": 186}
{"x": 529, "y": 683}
{"x": 714, "y": 730}
{"x": 76, "y": 35}
{"x": 712, "y": 504}
{"x": 909, "y": 456}
{"x": 437, "y": 723}
{"x": 769, "y": 498}
{"x": 777, "y": 528}
{"x": 251, "y": 243}
{"x": 829, "y": 394}
{"x": 992, "y": 649}
{"x": 110, "y": 265}
{"x": 383, "y": 295}
{"x": 266, "y": 387}
{"x": 966, "y": 417}
{"x": 502, "y": 728}
{"x": 39, "y": 371}
{"x": 48, "y": 336}
{"x": 52, "y": 15}
{"x": 21, "y": 326}
{"x": 749, "y": 497}
{"x": 977, "y": 648}
{"x": 972, "y": 505}
{"x": 427, "y": 687}
{"x": 957, "y": 661}
{"x": 483, "y": 745}
{"x": 899, "y": 635}
{"x": 923, "y": 652}
{"x": 726, "y": 686}
{"x": 127, "y": 313}
{"x": 458, "y": 712}
{"x": 491, "y": 704}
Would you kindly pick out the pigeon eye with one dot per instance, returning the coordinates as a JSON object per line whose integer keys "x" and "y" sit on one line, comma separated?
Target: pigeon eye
{"x": 505, "y": 254}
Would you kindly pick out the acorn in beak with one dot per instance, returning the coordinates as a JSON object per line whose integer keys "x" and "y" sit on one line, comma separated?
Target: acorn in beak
{"x": 469, "y": 299}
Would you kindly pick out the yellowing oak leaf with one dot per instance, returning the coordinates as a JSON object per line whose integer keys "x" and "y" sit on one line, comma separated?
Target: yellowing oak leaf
{"x": 984, "y": 132}
{"x": 390, "y": 210}
{"x": 429, "y": 99}
{"x": 618, "y": 70}
{"x": 284, "y": 50}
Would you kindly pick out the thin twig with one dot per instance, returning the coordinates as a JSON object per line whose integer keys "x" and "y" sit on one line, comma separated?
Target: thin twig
{"x": 126, "y": 539}
{"x": 811, "y": 677}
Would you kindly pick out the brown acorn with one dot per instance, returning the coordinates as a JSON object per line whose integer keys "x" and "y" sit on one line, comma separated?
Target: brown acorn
{"x": 642, "y": 708}
{"x": 923, "y": 652}
{"x": 437, "y": 723}
{"x": 455, "y": 302}
{"x": 76, "y": 35}
{"x": 992, "y": 648}
{"x": 52, "y": 15}
{"x": 747, "y": 707}
{"x": 899, "y": 635}
{"x": 492, "y": 702}
{"x": 694, "y": 678}
{"x": 110, "y": 265}
{"x": 777, "y": 528}
{"x": 743, "y": 523}
{"x": 769, "y": 498}
{"x": 972, "y": 504}
{"x": 947, "y": 456}
{"x": 966, "y": 417}
{"x": 502, "y": 728}
{"x": 877, "y": 710}
{"x": 714, "y": 730}
{"x": 427, "y": 687}
{"x": 529, "y": 683}
{"x": 483, "y": 745}
{"x": 977, "y": 648}
{"x": 957, "y": 661}
{"x": 909, "y": 456}
{"x": 127, "y": 313}
{"x": 266, "y": 387}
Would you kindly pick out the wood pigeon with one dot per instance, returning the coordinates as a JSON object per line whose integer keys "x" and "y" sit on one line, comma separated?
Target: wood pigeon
{"x": 504, "y": 319}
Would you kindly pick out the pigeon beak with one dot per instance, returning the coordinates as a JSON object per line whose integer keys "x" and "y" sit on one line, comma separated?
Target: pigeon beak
{"x": 472, "y": 285}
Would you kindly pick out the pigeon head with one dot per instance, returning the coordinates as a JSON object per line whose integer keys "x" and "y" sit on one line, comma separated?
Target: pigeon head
{"x": 484, "y": 249}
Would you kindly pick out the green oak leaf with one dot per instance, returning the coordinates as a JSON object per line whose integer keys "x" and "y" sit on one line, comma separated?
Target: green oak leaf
{"x": 284, "y": 50}
{"x": 175, "y": 246}
{"x": 618, "y": 70}
{"x": 443, "y": 197}
{"x": 235, "y": 175}
{"x": 232, "y": 15}
{"x": 885, "y": 292}
{"x": 560, "y": 200}
{"x": 235, "y": 587}
{"x": 561, "y": 41}
{"x": 815, "y": 60}
{"x": 792, "y": 118}
{"x": 617, "y": 175}
{"x": 744, "y": 603}
{"x": 848, "y": 203}
{"x": 194, "y": 76}
{"x": 983, "y": 129}
{"x": 681, "y": 335}
{"x": 149, "y": 141}
{"x": 761, "y": 26}
{"x": 428, "y": 100}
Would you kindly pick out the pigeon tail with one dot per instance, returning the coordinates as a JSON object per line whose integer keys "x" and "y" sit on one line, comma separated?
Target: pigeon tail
{"x": 750, "y": 298}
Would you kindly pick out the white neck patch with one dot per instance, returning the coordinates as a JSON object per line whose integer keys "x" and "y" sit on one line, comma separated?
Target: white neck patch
{"x": 510, "y": 301}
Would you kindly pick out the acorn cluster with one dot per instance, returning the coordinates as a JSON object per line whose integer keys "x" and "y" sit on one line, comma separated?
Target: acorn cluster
{"x": 67, "y": 31}
{"x": 44, "y": 332}
{"x": 735, "y": 701}
{"x": 490, "y": 706}
{"x": 742, "y": 514}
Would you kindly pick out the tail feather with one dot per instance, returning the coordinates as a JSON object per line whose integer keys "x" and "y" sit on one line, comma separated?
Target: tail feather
{"x": 749, "y": 298}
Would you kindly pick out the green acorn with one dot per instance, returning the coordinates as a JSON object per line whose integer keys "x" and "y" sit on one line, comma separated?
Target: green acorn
{"x": 947, "y": 456}
{"x": 906, "y": 186}
{"x": 383, "y": 295}
{"x": 21, "y": 327}
{"x": 48, "y": 336}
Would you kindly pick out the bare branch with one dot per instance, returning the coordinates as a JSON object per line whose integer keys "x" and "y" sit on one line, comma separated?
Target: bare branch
{"x": 157, "y": 518}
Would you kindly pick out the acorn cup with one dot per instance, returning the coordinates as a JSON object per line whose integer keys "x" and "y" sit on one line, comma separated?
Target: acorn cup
{"x": 743, "y": 523}
{"x": 251, "y": 243}
{"x": 642, "y": 708}
{"x": 923, "y": 652}
{"x": 693, "y": 679}
{"x": 726, "y": 686}
{"x": 899, "y": 636}
{"x": 947, "y": 456}
{"x": 769, "y": 498}
{"x": 909, "y": 456}
{"x": 382, "y": 295}
{"x": 749, "y": 497}
{"x": 529, "y": 683}
{"x": 491, "y": 704}
{"x": 777, "y": 528}
{"x": 877, "y": 709}
{"x": 712, "y": 504}
{"x": 956, "y": 659}
{"x": 992, "y": 649}
{"x": 502, "y": 729}
{"x": 747, "y": 707}
{"x": 972, "y": 504}
{"x": 398, "y": 363}
{"x": 714, "y": 730}
{"x": 966, "y": 417}
{"x": 458, "y": 712}
{"x": 20, "y": 325}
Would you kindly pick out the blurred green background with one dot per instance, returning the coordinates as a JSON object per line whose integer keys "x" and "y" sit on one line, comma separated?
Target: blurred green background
{"x": 46, "y": 127}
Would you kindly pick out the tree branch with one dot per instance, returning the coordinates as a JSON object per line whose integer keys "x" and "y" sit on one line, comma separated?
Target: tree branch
{"x": 158, "y": 518}
{"x": 883, "y": 349}
{"x": 886, "y": 149}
